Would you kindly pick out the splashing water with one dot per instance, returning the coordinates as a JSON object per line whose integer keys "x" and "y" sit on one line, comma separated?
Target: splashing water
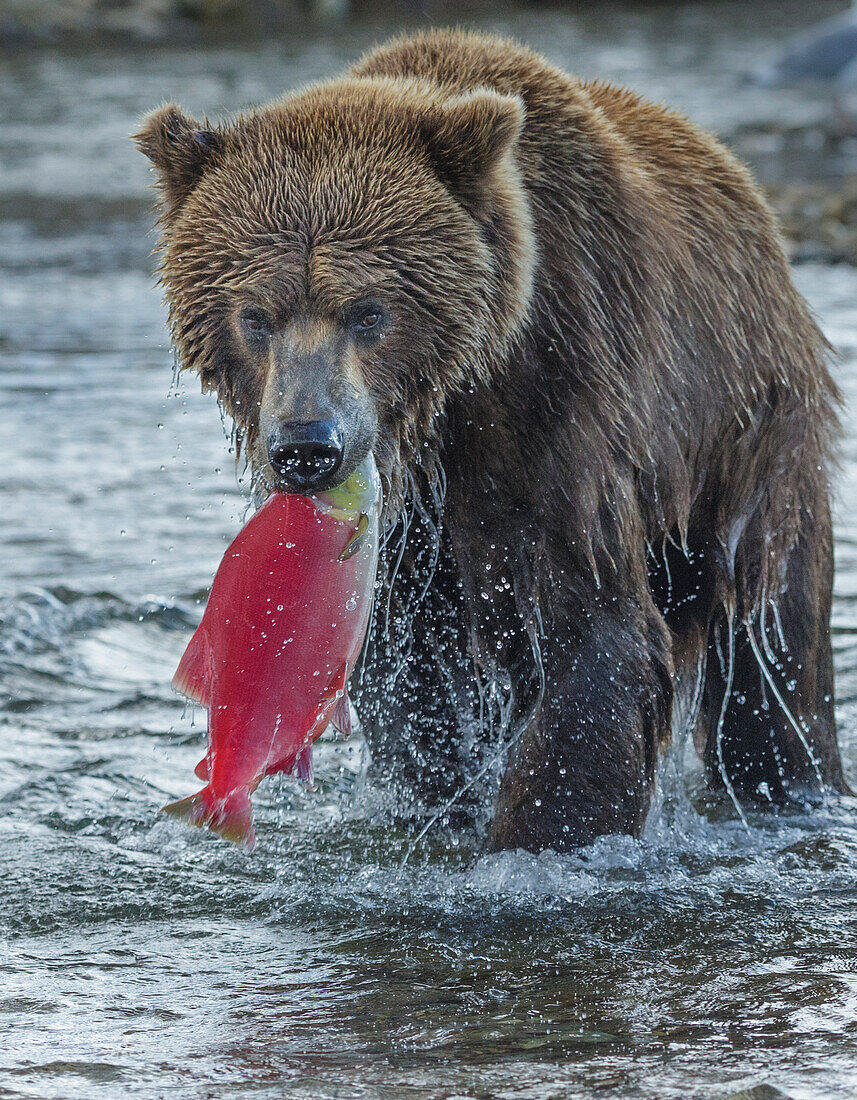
{"x": 775, "y": 691}
{"x": 724, "y": 707}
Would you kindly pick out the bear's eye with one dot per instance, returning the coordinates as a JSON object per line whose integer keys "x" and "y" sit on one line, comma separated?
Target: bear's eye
{"x": 255, "y": 324}
{"x": 368, "y": 320}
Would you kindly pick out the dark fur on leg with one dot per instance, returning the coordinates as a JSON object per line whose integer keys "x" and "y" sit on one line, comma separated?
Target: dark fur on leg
{"x": 778, "y": 743}
{"x": 585, "y": 766}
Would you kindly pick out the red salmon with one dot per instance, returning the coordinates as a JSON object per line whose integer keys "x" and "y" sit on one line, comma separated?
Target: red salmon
{"x": 282, "y": 630}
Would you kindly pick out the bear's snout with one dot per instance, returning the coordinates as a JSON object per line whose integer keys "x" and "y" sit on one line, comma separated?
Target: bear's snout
{"x": 305, "y": 455}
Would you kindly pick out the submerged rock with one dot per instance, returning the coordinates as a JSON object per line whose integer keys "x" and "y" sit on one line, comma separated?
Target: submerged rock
{"x": 759, "y": 1092}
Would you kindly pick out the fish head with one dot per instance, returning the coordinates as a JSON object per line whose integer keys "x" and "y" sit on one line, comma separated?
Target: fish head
{"x": 359, "y": 495}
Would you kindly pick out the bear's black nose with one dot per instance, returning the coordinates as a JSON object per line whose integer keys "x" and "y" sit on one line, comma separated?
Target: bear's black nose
{"x": 305, "y": 454}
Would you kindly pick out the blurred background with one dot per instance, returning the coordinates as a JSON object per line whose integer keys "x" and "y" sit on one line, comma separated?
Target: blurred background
{"x": 138, "y": 958}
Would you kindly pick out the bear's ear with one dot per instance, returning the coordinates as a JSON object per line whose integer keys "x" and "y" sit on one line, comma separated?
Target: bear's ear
{"x": 468, "y": 136}
{"x": 179, "y": 147}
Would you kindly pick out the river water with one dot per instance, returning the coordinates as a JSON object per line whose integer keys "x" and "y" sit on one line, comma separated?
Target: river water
{"x": 141, "y": 959}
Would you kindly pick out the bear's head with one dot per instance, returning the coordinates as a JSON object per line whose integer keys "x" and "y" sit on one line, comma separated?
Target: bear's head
{"x": 341, "y": 262}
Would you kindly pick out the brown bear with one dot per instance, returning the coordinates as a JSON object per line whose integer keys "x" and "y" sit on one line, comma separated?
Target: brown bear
{"x": 562, "y": 318}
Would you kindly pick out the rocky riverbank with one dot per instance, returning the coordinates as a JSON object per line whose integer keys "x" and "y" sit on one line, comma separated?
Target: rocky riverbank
{"x": 810, "y": 176}
{"x": 95, "y": 21}
{"x": 818, "y": 220}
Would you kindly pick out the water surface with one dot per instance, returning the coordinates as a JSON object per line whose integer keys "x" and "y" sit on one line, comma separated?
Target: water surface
{"x": 141, "y": 959}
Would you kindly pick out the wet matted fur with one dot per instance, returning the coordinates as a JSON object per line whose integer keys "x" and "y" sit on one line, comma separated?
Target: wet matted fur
{"x": 601, "y": 410}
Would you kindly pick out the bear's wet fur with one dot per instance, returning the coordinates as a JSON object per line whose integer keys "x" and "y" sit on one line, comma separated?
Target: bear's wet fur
{"x": 601, "y": 410}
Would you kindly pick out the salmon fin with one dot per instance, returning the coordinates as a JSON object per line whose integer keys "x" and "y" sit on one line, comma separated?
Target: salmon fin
{"x": 193, "y": 676}
{"x": 330, "y": 697}
{"x": 303, "y": 766}
{"x": 357, "y": 539}
{"x": 201, "y": 770}
{"x": 342, "y": 714}
{"x": 230, "y": 817}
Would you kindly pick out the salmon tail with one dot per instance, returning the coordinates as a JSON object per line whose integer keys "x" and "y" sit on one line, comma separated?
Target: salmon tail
{"x": 230, "y": 817}
{"x": 193, "y": 676}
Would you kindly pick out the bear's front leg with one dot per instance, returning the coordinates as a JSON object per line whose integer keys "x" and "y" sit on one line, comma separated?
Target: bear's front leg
{"x": 585, "y": 765}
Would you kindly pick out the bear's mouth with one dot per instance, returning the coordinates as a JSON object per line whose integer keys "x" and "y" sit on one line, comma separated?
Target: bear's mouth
{"x": 303, "y": 481}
